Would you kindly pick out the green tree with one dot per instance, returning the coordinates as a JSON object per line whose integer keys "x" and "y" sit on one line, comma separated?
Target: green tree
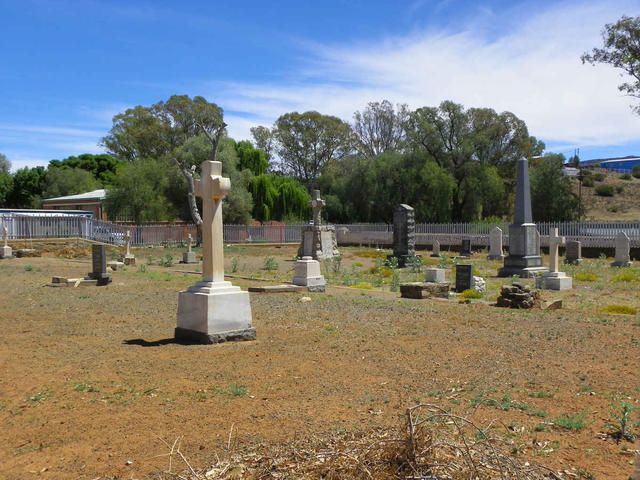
{"x": 307, "y": 142}
{"x": 251, "y": 158}
{"x": 62, "y": 181}
{"x": 552, "y": 197}
{"x": 139, "y": 193}
{"x": 263, "y": 138}
{"x": 6, "y": 186}
{"x": 278, "y": 198}
{"x": 622, "y": 50}
{"x": 5, "y": 164}
{"x": 28, "y": 185}
{"x": 182, "y": 131}
{"x": 103, "y": 167}
{"x": 380, "y": 128}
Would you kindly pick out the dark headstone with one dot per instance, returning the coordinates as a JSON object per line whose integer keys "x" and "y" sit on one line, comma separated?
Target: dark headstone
{"x": 465, "y": 248}
{"x": 99, "y": 265}
{"x": 404, "y": 227}
{"x": 573, "y": 252}
{"x": 464, "y": 277}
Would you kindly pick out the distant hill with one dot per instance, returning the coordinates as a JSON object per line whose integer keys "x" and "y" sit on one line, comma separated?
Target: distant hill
{"x": 624, "y": 205}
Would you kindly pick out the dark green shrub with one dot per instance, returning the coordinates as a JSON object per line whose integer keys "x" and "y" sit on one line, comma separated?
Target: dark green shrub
{"x": 626, "y": 176}
{"x": 636, "y": 171}
{"x": 587, "y": 182}
{"x": 604, "y": 190}
{"x": 598, "y": 177}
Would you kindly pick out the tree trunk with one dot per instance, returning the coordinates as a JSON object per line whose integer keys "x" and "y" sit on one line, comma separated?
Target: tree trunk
{"x": 193, "y": 206}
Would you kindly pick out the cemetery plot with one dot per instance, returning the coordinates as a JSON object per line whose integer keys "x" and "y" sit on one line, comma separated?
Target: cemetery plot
{"x": 93, "y": 382}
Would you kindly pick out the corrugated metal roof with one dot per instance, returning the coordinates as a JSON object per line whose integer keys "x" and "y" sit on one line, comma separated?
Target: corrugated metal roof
{"x": 94, "y": 195}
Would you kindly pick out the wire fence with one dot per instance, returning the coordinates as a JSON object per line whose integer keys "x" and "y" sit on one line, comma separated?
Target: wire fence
{"x": 591, "y": 234}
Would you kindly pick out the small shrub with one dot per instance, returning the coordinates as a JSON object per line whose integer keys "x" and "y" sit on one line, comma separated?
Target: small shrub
{"x": 234, "y": 265}
{"x": 585, "y": 277}
{"x": 395, "y": 281}
{"x": 620, "y": 309}
{"x": 471, "y": 294}
{"x": 619, "y": 189}
{"x": 414, "y": 263}
{"x": 392, "y": 262}
{"x": 28, "y": 268}
{"x": 541, "y": 394}
{"x": 599, "y": 177}
{"x": 621, "y": 424}
{"x": 571, "y": 422}
{"x": 166, "y": 261}
{"x": 604, "y": 191}
{"x": 636, "y": 171}
{"x": 442, "y": 261}
{"x": 237, "y": 390}
{"x": 628, "y": 276}
{"x": 149, "y": 260}
{"x": 358, "y": 264}
{"x": 362, "y": 285}
{"x": 270, "y": 264}
{"x": 626, "y": 176}
{"x": 142, "y": 269}
{"x": 587, "y": 182}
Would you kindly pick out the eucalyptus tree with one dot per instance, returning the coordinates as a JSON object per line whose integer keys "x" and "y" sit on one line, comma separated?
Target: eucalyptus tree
{"x": 379, "y": 128}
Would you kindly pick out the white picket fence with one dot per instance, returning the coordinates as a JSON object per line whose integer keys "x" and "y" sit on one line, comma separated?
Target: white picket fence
{"x": 591, "y": 234}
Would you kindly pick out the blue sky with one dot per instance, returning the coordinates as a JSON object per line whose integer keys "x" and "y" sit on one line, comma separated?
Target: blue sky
{"x": 68, "y": 66}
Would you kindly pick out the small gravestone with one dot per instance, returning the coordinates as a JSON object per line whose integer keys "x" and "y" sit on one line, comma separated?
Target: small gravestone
{"x": 573, "y": 252}
{"x": 465, "y": 247}
{"x": 99, "y": 265}
{"x": 307, "y": 274}
{"x": 404, "y": 239}
{"x": 189, "y": 256}
{"x": 623, "y": 251}
{"x": 495, "y": 244}
{"x": 435, "y": 249}
{"x": 129, "y": 258}
{"x": 5, "y": 251}
{"x": 554, "y": 279}
{"x": 435, "y": 275}
{"x": 464, "y": 277}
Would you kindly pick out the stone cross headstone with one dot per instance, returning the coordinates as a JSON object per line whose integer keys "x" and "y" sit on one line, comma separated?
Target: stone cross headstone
{"x": 5, "y": 251}
{"x": 213, "y": 310}
{"x": 404, "y": 240}
{"x": 465, "y": 247}
{"x": 435, "y": 249}
{"x": 99, "y": 265}
{"x": 129, "y": 258}
{"x": 464, "y": 277}
{"x": 573, "y": 252}
{"x": 495, "y": 244}
{"x": 524, "y": 258}
{"x": 317, "y": 205}
{"x": 623, "y": 250}
{"x": 554, "y": 279}
{"x": 554, "y": 243}
{"x": 189, "y": 256}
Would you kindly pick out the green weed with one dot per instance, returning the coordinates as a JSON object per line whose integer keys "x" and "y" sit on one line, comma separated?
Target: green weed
{"x": 620, "y": 309}
{"x": 571, "y": 422}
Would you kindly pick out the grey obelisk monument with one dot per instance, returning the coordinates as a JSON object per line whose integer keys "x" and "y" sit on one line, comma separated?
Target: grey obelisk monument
{"x": 524, "y": 258}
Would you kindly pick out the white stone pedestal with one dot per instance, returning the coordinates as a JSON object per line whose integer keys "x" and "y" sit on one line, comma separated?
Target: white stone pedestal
{"x": 435, "y": 275}
{"x": 214, "y": 312}
{"x": 189, "y": 257}
{"x": 555, "y": 281}
{"x": 307, "y": 274}
{"x": 129, "y": 259}
{"x": 6, "y": 252}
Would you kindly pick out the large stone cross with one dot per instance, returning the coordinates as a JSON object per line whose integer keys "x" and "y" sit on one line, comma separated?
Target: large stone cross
{"x": 554, "y": 242}
{"x": 212, "y": 188}
{"x": 316, "y": 204}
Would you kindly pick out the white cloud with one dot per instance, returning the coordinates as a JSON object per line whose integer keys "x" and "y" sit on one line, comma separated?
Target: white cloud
{"x": 530, "y": 66}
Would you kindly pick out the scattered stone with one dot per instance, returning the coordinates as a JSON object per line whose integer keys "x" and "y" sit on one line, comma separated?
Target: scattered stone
{"x": 517, "y": 296}
{"x": 479, "y": 285}
{"x": 424, "y": 290}
{"x": 115, "y": 265}
{"x": 28, "y": 252}
{"x": 553, "y": 305}
{"x": 304, "y": 299}
{"x": 284, "y": 288}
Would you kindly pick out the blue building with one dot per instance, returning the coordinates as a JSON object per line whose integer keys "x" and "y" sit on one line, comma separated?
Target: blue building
{"x": 618, "y": 164}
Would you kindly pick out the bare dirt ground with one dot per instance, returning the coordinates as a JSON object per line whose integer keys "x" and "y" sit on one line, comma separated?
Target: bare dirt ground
{"x": 92, "y": 381}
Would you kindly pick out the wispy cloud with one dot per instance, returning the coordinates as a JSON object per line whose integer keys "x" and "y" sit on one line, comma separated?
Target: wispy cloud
{"x": 530, "y": 66}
